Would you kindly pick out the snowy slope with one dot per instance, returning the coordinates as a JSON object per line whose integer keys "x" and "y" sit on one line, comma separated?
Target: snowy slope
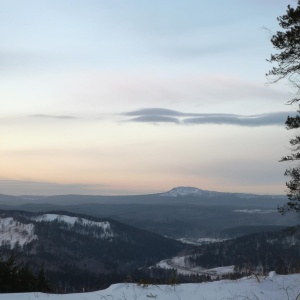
{"x": 182, "y": 266}
{"x": 72, "y": 220}
{"x": 13, "y": 232}
{"x": 272, "y": 287}
{"x": 183, "y": 191}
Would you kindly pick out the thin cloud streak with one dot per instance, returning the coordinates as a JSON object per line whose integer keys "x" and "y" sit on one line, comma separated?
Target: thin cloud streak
{"x": 61, "y": 117}
{"x": 158, "y": 112}
{"x": 23, "y": 187}
{"x": 43, "y": 188}
{"x": 154, "y": 115}
{"x": 155, "y": 119}
{"x": 153, "y": 111}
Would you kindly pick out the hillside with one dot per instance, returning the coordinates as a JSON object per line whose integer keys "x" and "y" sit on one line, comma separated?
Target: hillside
{"x": 179, "y": 213}
{"x": 255, "y": 253}
{"x": 74, "y": 247}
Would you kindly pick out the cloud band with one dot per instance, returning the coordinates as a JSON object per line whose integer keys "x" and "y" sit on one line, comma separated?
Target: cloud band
{"x": 158, "y": 115}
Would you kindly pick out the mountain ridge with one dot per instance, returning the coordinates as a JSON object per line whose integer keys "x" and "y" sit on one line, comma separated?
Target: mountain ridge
{"x": 69, "y": 245}
{"x": 183, "y": 194}
{"x": 178, "y": 189}
{"x": 182, "y": 191}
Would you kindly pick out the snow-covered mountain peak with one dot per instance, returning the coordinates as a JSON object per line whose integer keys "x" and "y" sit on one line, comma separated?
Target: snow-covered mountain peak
{"x": 182, "y": 191}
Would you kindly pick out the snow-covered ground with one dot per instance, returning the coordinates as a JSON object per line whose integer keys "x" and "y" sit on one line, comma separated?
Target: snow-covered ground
{"x": 273, "y": 287}
{"x": 256, "y": 211}
{"x": 181, "y": 265}
{"x": 13, "y": 232}
{"x": 200, "y": 241}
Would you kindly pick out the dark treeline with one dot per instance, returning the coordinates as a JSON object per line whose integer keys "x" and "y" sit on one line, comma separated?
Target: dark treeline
{"x": 15, "y": 278}
{"x": 86, "y": 281}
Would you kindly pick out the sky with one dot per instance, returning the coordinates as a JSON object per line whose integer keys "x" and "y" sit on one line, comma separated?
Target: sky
{"x": 133, "y": 97}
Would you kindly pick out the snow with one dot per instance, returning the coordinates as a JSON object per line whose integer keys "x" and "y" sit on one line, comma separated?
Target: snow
{"x": 108, "y": 233}
{"x": 221, "y": 270}
{"x": 71, "y": 220}
{"x": 279, "y": 287}
{"x": 200, "y": 241}
{"x": 13, "y": 232}
{"x": 272, "y": 274}
{"x": 180, "y": 263}
{"x": 256, "y": 211}
{"x": 182, "y": 191}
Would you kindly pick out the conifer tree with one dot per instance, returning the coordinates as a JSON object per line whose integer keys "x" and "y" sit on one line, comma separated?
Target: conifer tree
{"x": 287, "y": 66}
{"x": 42, "y": 284}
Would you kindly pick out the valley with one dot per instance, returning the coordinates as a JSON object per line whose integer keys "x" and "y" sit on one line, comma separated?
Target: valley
{"x": 183, "y": 212}
{"x": 185, "y": 235}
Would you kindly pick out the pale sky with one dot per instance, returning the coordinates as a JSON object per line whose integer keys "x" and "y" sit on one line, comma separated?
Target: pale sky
{"x": 133, "y": 97}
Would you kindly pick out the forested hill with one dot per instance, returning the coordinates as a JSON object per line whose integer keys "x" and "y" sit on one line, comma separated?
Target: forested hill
{"x": 258, "y": 252}
{"x": 77, "y": 247}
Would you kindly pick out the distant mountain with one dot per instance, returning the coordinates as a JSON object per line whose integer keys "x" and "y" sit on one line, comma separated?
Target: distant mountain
{"x": 187, "y": 191}
{"x": 11, "y": 200}
{"x": 180, "y": 194}
{"x": 69, "y": 244}
{"x": 179, "y": 213}
{"x": 183, "y": 191}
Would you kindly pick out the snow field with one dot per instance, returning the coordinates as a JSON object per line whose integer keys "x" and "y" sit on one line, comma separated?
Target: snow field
{"x": 179, "y": 263}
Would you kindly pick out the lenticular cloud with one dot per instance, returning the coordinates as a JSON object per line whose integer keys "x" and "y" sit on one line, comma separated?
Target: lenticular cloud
{"x": 162, "y": 115}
